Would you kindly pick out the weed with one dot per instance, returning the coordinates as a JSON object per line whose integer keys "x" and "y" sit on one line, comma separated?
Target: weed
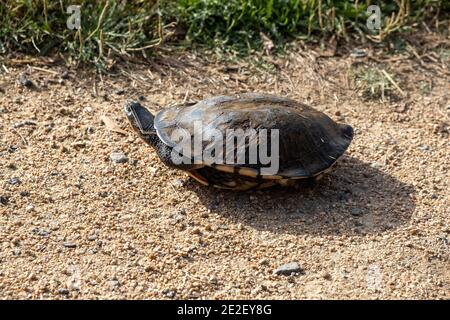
{"x": 372, "y": 82}
{"x": 118, "y": 29}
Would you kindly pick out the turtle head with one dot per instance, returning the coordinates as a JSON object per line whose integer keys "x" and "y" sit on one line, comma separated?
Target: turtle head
{"x": 141, "y": 121}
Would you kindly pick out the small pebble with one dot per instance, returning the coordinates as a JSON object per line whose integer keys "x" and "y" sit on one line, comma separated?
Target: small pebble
{"x": 326, "y": 276}
{"x": 400, "y": 108}
{"x": 26, "y": 82}
{"x": 204, "y": 215}
{"x": 63, "y": 291}
{"x": 356, "y": 211}
{"x": 65, "y": 75}
{"x": 69, "y": 245}
{"x": 78, "y": 144}
{"x": 12, "y": 166}
{"x": 39, "y": 232}
{"x": 424, "y": 148}
{"x": 24, "y": 123}
{"x": 74, "y": 285}
{"x": 89, "y": 130}
{"x": 177, "y": 183}
{"x": 288, "y": 269}
{"x": 376, "y": 165}
{"x": 264, "y": 262}
{"x": 169, "y": 293}
{"x": 14, "y": 181}
{"x": 104, "y": 194}
{"x": 114, "y": 283}
{"x": 118, "y": 157}
{"x": 4, "y": 200}
{"x": 32, "y": 277}
{"x": 358, "y": 53}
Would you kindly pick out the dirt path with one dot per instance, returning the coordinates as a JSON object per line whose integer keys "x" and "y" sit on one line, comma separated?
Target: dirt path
{"x": 74, "y": 224}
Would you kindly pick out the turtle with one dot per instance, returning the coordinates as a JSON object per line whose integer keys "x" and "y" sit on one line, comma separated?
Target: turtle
{"x": 308, "y": 142}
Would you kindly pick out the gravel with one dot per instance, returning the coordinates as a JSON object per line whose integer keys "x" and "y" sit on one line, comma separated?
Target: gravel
{"x": 40, "y": 232}
{"x": 14, "y": 181}
{"x": 4, "y": 200}
{"x": 24, "y": 123}
{"x": 12, "y": 148}
{"x": 424, "y": 148}
{"x": 177, "y": 183}
{"x": 114, "y": 284}
{"x": 26, "y": 82}
{"x": 356, "y": 211}
{"x": 63, "y": 291}
{"x": 357, "y": 53}
{"x": 376, "y": 165}
{"x": 288, "y": 269}
{"x": 396, "y": 249}
{"x": 118, "y": 157}
{"x": 65, "y": 75}
{"x": 169, "y": 293}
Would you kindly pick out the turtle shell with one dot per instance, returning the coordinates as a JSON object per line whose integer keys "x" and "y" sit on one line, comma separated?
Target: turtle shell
{"x": 309, "y": 141}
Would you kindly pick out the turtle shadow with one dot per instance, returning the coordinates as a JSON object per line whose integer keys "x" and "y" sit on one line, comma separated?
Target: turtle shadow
{"x": 354, "y": 199}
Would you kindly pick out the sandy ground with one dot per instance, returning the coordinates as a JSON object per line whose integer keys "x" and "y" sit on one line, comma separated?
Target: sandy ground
{"x": 73, "y": 224}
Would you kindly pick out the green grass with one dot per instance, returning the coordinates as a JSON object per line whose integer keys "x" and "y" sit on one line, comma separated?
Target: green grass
{"x": 109, "y": 29}
{"x": 372, "y": 83}
{"x": 238, "y": 24}
{"x": 120, "y": 29}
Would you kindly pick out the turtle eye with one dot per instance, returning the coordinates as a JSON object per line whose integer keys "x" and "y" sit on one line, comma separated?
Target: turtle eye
{"x": 127, "y": 109}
